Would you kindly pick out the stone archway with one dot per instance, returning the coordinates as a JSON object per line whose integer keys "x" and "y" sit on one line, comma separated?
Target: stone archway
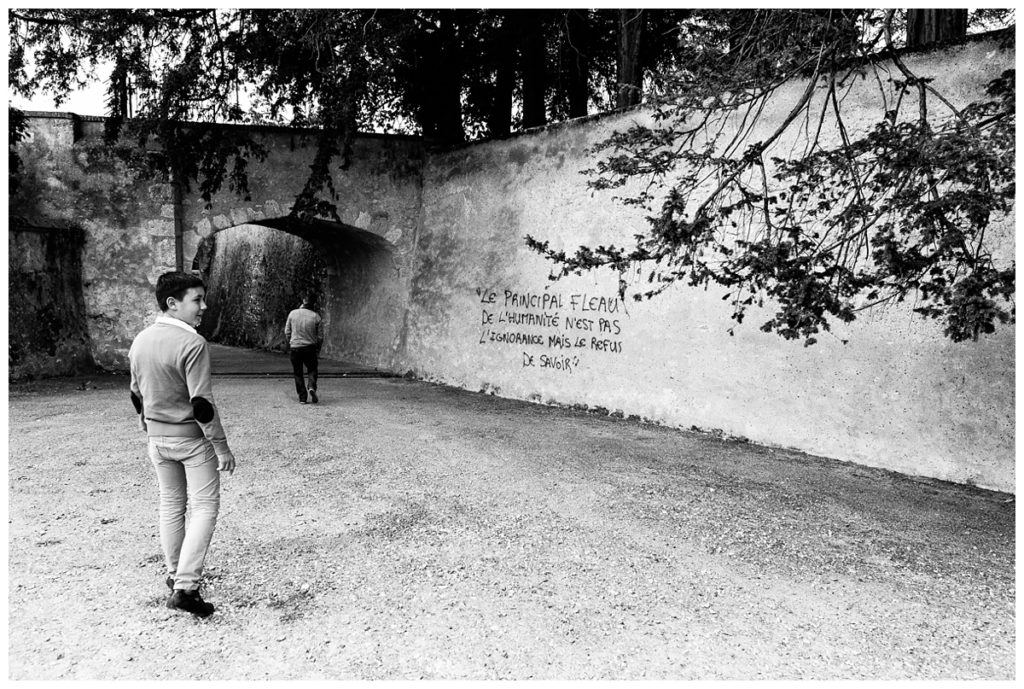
{"x": 363, "y": 296}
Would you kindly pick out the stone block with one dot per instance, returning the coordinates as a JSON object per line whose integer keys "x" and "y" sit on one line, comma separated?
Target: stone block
{"x": 204, "y": 228}
{"x": 161, "y": 192}
{"x": 27, "y": 255}
{"x": 160, "y": 228}
{"x": 157, "y": 270}
{"x": 163, "y": 252}
{"x": 379, "y": 223}
{"x": 239, "y": 216}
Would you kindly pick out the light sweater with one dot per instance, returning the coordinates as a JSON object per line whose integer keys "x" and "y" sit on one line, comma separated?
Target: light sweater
{"x": 170, "y": 370}
{"x": 304, "y": 327}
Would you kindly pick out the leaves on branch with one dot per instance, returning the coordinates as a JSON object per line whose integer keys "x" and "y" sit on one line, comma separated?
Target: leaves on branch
{"x": 835, "y": 222}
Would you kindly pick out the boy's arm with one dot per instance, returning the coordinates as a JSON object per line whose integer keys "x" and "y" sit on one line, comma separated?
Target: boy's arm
{"x": 200, "y": 394}
{"x": 136, "y": 396}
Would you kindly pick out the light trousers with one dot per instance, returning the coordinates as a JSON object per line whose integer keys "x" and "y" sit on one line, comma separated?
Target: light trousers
{"x": 186, "y": 471}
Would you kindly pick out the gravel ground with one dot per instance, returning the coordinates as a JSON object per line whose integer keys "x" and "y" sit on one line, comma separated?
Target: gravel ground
{"x": 402, "y": 530}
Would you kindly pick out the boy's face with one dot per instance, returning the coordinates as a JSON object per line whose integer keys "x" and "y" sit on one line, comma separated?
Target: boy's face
{"x": 190, "y": 308}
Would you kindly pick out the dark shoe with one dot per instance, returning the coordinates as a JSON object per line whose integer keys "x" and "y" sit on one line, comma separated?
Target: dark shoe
{"x": 170, "y": 583}
{"x": 312, "y": 396}
{"x": 302, "y": 401}
{"x": 190, "y": 601}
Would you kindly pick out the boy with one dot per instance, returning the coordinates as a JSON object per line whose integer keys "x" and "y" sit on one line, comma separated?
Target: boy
{"x": 305, "y": 332}
{"x": 172, "y": 393}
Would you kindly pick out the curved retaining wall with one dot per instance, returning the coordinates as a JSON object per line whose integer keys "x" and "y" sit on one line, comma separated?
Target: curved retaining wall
{"x": 484, "y": 316}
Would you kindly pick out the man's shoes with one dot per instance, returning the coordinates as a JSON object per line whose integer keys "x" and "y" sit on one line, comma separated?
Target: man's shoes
{"x": 312, "y": 397}
{"x": 190, "y": 601}
{"x": 302, "y": 401}
{"x": 170, "y": 583}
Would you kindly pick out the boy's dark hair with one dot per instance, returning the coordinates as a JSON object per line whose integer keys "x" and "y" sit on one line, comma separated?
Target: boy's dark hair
{"x": 175, "y": 284}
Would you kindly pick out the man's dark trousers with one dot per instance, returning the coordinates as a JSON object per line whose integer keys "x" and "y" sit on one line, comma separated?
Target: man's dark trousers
{"x": 304, "y": 356}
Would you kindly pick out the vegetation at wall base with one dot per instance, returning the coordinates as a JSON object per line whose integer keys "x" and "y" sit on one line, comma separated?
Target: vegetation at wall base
{"x": 48, "y": 334}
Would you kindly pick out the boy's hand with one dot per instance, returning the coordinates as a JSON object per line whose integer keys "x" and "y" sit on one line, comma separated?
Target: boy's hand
{"x": 226, "y": 462}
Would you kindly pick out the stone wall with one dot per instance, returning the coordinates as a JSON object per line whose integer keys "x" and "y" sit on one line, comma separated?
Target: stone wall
{"x": 484, "y": 316}
{"x": 73, "y": 179}
{"x": 129, "y": 219}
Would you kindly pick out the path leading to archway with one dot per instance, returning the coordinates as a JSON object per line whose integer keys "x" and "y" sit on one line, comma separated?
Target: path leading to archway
{"x": 238, "y": 361}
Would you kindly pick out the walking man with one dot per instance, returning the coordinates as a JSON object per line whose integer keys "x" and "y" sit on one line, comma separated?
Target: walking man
{"x": 172, "y": 393}
{"x": 305, "y": 332}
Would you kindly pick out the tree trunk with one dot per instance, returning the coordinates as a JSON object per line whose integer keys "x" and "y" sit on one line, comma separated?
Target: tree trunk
{"x": 499, "y": 119}
{"x": 934, "y": 26}
{"x": 533, "y": 61}
{"x": 577, "y": 62}
{"x": 630, "y": 75}
{"x": 117, "y": 100}
{"x": 435, "y": 90}
{"x": 448, "y": 98}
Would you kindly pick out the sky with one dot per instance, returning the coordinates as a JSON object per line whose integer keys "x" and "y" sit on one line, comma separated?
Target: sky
{"x": 88, "y": 102}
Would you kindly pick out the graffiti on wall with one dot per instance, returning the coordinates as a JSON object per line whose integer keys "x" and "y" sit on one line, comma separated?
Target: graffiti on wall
{"x": 551, "y": 330}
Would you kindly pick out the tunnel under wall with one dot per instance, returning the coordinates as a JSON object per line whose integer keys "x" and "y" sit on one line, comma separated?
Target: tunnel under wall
{"x": 254, "y": 277}
{"x": 256, "y": 274}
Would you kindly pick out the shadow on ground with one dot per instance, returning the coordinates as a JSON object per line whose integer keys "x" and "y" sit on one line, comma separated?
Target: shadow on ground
{"x": 239, "y": 361}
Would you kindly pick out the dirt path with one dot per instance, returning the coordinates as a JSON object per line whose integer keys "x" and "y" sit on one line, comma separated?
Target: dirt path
{"x": 402, "y": 530}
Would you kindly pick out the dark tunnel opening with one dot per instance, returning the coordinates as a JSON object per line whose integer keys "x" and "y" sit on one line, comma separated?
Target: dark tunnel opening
{"x": 257, "y": 273}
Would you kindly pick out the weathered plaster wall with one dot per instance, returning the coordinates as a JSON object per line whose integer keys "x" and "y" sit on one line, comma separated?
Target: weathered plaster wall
{"x": 485, "y": 317}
